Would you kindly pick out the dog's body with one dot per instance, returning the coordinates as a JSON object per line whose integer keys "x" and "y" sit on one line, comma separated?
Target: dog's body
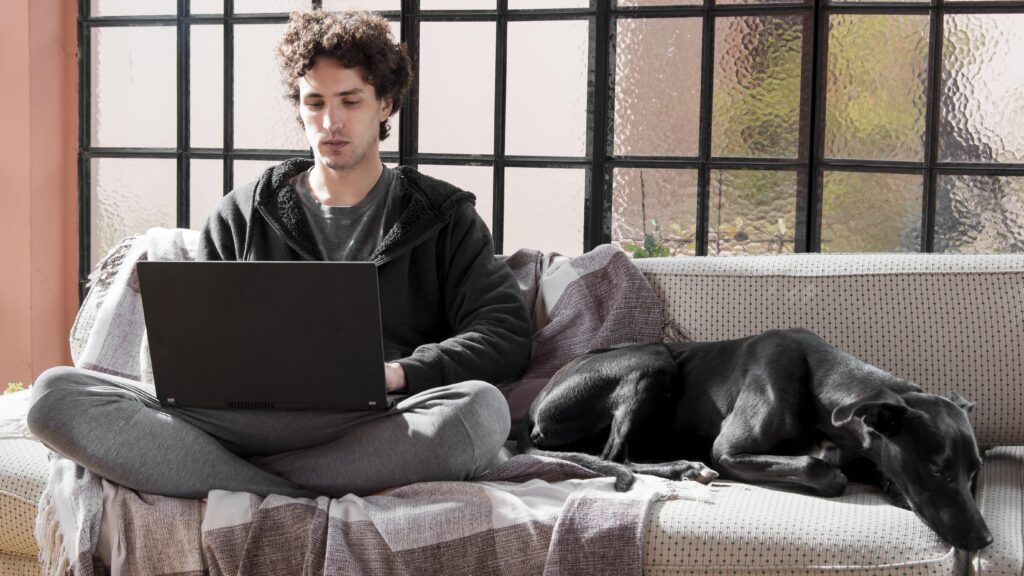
{"x": 781, "y": 407}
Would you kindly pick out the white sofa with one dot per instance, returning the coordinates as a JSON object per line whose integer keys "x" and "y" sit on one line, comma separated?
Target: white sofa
{"x": 948, "y": 323}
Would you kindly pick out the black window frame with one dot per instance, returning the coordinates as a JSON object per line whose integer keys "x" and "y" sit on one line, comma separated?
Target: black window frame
{"x": 599, "y": 161}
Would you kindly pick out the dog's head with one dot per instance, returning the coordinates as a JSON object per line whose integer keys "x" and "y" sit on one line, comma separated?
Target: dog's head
{"x": 925, "y": 448}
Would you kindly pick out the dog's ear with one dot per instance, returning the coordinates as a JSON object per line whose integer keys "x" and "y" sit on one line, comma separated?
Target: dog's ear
{"x": 962, "y": 402}
{"x": 882, "y": 411}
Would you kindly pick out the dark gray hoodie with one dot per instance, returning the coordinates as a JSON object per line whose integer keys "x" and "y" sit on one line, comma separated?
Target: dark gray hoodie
{"x": 451, "y": 311}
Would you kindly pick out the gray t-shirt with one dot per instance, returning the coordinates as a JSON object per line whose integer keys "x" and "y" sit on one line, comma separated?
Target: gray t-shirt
{"x": 351, "y": 233}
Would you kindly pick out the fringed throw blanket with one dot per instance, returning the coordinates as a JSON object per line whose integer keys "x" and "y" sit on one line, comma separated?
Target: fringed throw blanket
{"x": 527, "y": 516}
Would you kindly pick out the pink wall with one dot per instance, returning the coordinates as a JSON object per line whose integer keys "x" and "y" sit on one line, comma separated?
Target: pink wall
{"x": 38, "y": 196}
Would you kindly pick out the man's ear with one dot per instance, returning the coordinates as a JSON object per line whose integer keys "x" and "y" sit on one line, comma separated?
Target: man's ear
{"x": 387, "y": 103}
{"x": 962, "y": 402}
{"x": 882, "y": 411}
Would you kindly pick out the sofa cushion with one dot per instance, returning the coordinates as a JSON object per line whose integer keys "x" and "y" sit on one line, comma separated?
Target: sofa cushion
{"x": 1001, "y": 499}
{"x": 757, "y": 530}
{"x": 949, "y": 323}
{"x": 18, "y": 565}
{"x": 23, "y": 470}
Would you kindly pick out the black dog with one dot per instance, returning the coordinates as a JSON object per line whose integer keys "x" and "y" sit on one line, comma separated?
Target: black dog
{"x": 781, "y": 407}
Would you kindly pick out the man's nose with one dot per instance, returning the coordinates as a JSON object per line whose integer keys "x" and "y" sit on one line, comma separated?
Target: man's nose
{"x": 333, "y": 117}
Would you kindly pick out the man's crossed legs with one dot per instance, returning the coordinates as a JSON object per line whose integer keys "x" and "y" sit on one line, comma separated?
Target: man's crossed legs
{"x": 117, "y": 429}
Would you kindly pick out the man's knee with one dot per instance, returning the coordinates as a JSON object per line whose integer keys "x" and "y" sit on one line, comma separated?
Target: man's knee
{"x": 47, "y": 402}
{"x": 485, "y": 415}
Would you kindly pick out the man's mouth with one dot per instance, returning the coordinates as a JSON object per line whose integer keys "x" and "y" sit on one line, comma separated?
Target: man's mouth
{"x": 334, "y": 145}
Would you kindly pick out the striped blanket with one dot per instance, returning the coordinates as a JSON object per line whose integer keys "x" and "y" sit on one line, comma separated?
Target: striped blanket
{"x": 528, "y": 515}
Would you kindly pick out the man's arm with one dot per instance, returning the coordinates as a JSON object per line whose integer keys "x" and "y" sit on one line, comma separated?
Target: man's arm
{"x": 223, "y": 235}
{"x": 486, "y": 309}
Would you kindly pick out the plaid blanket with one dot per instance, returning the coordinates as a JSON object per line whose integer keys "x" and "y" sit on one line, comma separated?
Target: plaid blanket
{"x": 528, "y": 515}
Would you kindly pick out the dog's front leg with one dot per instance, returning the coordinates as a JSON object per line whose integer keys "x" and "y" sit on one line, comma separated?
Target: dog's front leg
{"x": 809, "y": 472}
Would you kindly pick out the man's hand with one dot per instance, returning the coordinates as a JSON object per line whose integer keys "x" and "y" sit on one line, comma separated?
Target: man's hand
{"x": 394, "y": 377}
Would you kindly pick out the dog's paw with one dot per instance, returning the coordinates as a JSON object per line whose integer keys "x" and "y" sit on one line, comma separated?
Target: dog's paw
{"x": 679, "y": 470}
{"x": 828, "y": 481}
{"x": 700, "y": 473}
{"x": 624, "y": 481}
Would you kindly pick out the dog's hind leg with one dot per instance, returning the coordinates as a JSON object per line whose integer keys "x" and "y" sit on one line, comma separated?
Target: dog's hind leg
{"x": 632, "y": 402}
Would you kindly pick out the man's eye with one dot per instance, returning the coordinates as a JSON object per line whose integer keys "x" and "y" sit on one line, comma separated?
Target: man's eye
{"x": 314, "y": 105}
{"x": 351, "y": 103}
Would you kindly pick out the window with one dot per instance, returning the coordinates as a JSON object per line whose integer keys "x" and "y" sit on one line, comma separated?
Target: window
{"x": 668, "y": 127}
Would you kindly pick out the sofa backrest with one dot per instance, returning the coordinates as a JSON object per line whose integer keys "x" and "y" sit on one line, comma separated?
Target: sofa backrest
{"x": 946, "y": 322}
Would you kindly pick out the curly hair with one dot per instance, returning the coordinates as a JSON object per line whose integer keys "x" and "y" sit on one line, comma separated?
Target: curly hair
{"x": 356, "y": 40}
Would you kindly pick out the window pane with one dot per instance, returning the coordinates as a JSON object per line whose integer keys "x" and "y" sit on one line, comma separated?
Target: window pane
{"x": 372, "y": 5}
{"x": 982, "y": 88}
{"x": 133, "y": 7}
{"x": 877, "y": 82}
{"x": 390, "y": 144}
{"x": 457, "y": 87}
{"x": 752, "y": 212}
{"x": 206, "y": 188}
{"x": 206, "y": 84}
{"x": 206, "y": 6}
{"x": 129, "y": 196}
{"x": 134, "y": 80}
{"x": 547, "y": 88}
{"x": 263, "y": 118}
{"x": 979, "y": 214}
{"x": 457, "y": 5}
{"x": 757, "y": 85}
{"x": 658, "y": 203}
{"x": 526, "y": 4}
{"x": 476, "y": 179}
{"x": 864, "y": 212}
{"x": 271, "y": 6}
{"x": 657, "y": 86}
{"x": 656, "y": 2}
{"x": 245, "y": 171}
{"x": 719, "y": 2}
{"x": 544, "y": 210}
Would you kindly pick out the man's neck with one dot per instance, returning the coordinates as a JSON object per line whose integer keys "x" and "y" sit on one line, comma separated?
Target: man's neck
{"x": 343, "y": 187}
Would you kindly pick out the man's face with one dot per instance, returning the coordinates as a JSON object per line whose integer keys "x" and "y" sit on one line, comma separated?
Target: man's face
{"x": 341, "y": 116}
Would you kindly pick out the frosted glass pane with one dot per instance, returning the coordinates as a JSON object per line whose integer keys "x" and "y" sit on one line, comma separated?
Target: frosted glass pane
{"x": 544, "y": 210}
{"x": 752, "y": 212}
{"x": 657, "y": 86}
{"x": 656, "y": 2}
{"x": 134, "y": 87}
{"x": 979, "y": 214}
{"x": 245, "y": 171}
{"x": 656, "y": 202}
{"x": 525, "y": 4}
{"x": 206, "y": 6}
{"x": 864, "y": 212}
{"x": 719, "y": 2}
{"x": 456, "y": 87}
{"x": 371, "y": 5}
{"x": 206, "y": 83}
{"x": 270, "y": 6}
{"x": 129, "y": 196}
{"x": 757, "y": 86}
{"x": 263, "y": 118}
{"x": 206, "y": 188}
{"x": 476, "y": 179}
{"x": 877, "y": 83}
{"x": 457, "y": 5}
{"x": 982, "y": 88}
{"x": 133, "y": 7}
{"x": 547, "y": 88}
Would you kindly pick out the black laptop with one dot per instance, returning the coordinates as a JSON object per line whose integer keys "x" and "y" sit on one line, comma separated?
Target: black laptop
{"x": 287, "y": 335}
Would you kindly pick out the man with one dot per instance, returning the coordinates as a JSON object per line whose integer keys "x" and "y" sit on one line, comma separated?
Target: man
{"x": 453, "y": 316}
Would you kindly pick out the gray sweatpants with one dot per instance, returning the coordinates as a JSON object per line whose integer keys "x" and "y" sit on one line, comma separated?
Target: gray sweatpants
{"x": 116, "y": 428}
